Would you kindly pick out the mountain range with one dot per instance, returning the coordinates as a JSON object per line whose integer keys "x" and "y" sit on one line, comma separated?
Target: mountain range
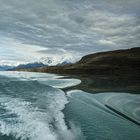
{"x": 104, "y": 63}
{"x": 43, "y": 62}
{"x": 117, "y": 70}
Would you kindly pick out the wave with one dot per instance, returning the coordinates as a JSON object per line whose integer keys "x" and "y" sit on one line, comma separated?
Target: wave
{"x": 30, "y": 110}
{"x": 23, "y": 120}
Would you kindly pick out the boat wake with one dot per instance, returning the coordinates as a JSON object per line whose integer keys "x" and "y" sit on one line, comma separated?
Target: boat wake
{"x": 30, "y": 110}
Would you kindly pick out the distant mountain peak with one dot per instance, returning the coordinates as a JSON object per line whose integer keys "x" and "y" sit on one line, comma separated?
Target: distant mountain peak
{"x": 53, "y": 61}
{"x": 46, "y": 60}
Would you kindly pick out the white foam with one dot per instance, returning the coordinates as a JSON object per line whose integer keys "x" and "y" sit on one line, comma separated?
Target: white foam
{"x": 60, "y": 83}
{"x": 32, "y": 123}
{"x": 40, "y": 119}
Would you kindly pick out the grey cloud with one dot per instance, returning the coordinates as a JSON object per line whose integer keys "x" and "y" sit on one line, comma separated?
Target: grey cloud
{"x": 81, "y": 26}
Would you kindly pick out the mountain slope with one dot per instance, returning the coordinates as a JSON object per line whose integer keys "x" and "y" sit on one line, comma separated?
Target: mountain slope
{"x": 113, "y": 71}
{"x": 104, "y": 63}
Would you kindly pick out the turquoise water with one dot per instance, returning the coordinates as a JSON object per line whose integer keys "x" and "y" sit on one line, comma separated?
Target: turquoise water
{"x": 33, "y": 106}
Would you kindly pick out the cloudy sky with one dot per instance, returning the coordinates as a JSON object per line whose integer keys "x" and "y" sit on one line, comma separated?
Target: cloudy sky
{"x": 34, "y": 29}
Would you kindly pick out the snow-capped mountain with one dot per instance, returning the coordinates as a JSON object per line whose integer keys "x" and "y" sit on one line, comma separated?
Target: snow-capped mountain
{"x": 47, "y": 61}
{"x": 44, "y": 61}
{"x": 53, "y": 61}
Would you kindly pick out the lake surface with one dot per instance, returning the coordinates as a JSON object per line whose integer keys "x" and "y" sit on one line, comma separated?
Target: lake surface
{"x": 33, "y": 106}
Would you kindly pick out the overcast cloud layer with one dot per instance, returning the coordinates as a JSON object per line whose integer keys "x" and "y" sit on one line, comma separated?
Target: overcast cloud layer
{"x": 32, "y": 29}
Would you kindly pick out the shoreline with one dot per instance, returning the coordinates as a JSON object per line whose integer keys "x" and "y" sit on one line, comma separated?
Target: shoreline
{"x": 102, "y": 83}
{"x": 97, "y": 84}
{"x": 117, "y": 70}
